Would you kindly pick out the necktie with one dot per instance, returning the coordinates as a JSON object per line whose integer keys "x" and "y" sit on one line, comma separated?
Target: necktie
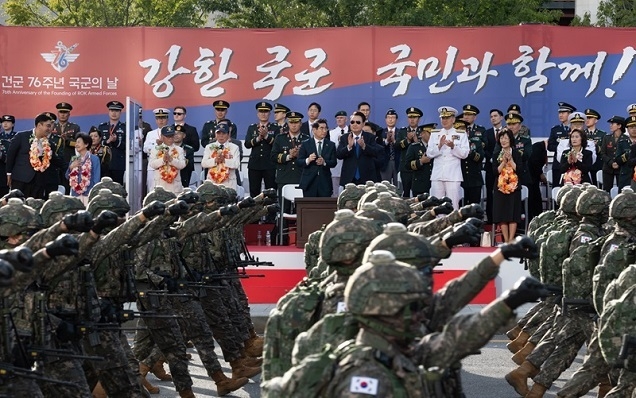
{"x": 294, "y": 142}
{"x": 221, "y": 146}
{"x": 391, "y": 149}
{"x": 319, "y": 148}
{"x": 357, "y": 146}
{"x": 341, "y": 131}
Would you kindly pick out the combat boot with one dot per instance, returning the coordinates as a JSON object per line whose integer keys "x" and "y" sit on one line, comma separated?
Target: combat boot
{"x": 254, "y": 345}
{"x": 514, "y": 332}
{"x": 518, "y": 378}
{"x": 537, "y": 391}
{"x": 253, "y": 362}
{"x": 160, "y": 372}
{"x": 225, "y": 385}
{"x": 143, "y": 371}
{"x": 239, "y": 369}
{"x": 523, "y": 353}
{"x": 99, "y": 392}
{"x": 518, "y": 343}
{"x": 187, "y": 393}
{"x": 603, "y": 388}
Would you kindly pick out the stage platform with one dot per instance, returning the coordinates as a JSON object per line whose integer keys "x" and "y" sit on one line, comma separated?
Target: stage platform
{"x": 289, "y": 269}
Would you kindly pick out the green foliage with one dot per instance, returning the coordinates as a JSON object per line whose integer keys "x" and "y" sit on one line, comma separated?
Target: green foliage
{"x": 620, "y": 13}
{"x": 585, "y": 21}
{"x": 173, "y": 13}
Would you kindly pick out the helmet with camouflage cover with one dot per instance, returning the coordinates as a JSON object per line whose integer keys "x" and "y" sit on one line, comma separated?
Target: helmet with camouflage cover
{"x": 209, "y": 192}
{"x": 371, "y": 194}
{"x": 623, "y": 206}
{"x": 160, "y": 194}
{"x": 394, "y": 205}
{"x": 36, "y": 204}
{"x": 384, "y": 288}
{"x": 568, "y": 201}
{"x": 620, "y": 285}
{"x": 562, "y": 191}
{"x": 230, "y": 194}
{"x": 344, "y": 239}
{"x": 371, "y": 210}
{"x": 349, "y": 197}
{"x": 408, "y": 247}
{"x": 392, "y": 188}
{"x": 16, "y": 218}
{"x": 593, "y": 201}
{"x": 58, "y": 206}
{"x": 108, "y": 183}
{"x": 107, "y": 200}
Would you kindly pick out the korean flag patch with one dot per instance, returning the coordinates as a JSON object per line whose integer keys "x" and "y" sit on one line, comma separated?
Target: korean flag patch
{"x": 364, "y": 385}
{"x": 341, "y": 307}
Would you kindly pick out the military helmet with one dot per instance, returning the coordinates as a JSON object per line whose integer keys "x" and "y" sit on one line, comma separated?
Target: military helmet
{"x": 408, "y": 247}
{"x": 107, "y": 200}
{"x": 349, "y": 197}
{"x": 396, "y": 206}
{"x": 391, "y": 187}
{"x": 562, "y": 191}
{"x": 592, "y": 201}
{"x": 568, "y": 201}
{"x": 371, "y": 194}
{"x": 345, "y": 238}
{"x": 16, "y": 218}
{"x": 209, "y": 192}
{"x": 160, "y": 194}
{"x": 384, "y": 287}
{"x": 36, "y": 204}
{"x": 58, "y": 206}
{"x": 230, "y": 194}
{"x": 620, "y": 285}
{"x": 623, "y": 206}
{"x": 108, "y": 183}
{"x": 371, "y": 210}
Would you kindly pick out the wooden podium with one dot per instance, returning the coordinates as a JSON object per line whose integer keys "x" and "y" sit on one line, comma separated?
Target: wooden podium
{"x": 311, "y": 214}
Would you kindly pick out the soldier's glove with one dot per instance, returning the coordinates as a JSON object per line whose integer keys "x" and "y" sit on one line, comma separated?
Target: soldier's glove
{"x": 67, "y": 331}
{"x": 6, "y": 273}
{"x": 170, "y": 232}
{"x": 229, "y": 210}
{"x": 105, "y": 219}
{"x": 189, "y": 197}
{"x": 270, "y": 193}
{"x": 78, "y": 222}
{"x": 462, "y": 233}
{"x": 247, "y": 202}
{"x": 446, "y": 199}
{"x": 178, "y": 208}
{"x": 430, "y": 202}
{"x": 273, "y": 209}
{"x": 472, "y": 210}
{"x": 14, "y": 193}
{"x": 445, "y": 208}
{"x": 526, "y": 290}
{"x": 522, "y": 247}
{"x": 64, "y": 245}
{"x": 155, "y": 208}
{"x": 170, "y": 285}
{"x": 422, "y": 197}
{"x": 268, "y": 201}
{"x": 21, "y": 258}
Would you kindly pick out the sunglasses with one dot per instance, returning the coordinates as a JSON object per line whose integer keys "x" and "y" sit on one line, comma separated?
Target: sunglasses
{"x": 356, "y": 122}
{"x": 178, "y": 113}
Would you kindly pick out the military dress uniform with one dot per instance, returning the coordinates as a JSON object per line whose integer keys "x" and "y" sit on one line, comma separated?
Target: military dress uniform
{"x": 117, "y": 147}
{"x": 597, "y": 136}
{"x": 609, "y": 145}
{"x": 287, "y": 172}
{"x": 5, "y": 141}
{"x": 402, "y": 144}
{"x": 558, "y": 133}
{"x": 421, "y": 182}
{"x": 260, "y": 166}
{"x": 622, "y": 155}
{"x": 64, "y": 137}
{"x": 473, "y": 164}
{"x": 209, "y": 128}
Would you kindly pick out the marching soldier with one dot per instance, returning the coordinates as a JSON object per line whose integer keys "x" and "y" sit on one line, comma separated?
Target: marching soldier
{"x": 260, "y": 138}
{"x": 209, "y": 128}
{"x": 113, "y": 134}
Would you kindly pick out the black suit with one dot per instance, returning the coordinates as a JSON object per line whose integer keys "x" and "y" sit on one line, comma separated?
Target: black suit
{"x": 538, "y": 159}
{"x": 32, "y": 183}
{"x": 191, "y": 137}
{"x": 315, "y": 180}
{"x": 358, "y": 159}
{"x": 490, "y": 137}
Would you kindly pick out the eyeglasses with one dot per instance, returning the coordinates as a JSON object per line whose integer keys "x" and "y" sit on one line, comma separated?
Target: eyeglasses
{"x": 356, "y": 122}
{"x": 178, "y": 113}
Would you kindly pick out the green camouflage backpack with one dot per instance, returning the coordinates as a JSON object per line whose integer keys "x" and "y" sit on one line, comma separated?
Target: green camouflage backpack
{"x": 578, "y": 269}
{"x": 618, "y": 318}
{"x": 332, "y": 329}
{"x": 554, "y": 251}
{"x": 618, "y": 257}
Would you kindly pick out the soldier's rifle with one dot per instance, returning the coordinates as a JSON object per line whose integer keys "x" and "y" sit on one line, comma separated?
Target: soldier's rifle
{"x": 584, "y": 304}
{"x": 628, "y": 347}
{"x": 8, "y": 370}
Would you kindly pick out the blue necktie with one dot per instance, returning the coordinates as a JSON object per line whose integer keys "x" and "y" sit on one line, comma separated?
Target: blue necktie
{"x": 357, "y": 175}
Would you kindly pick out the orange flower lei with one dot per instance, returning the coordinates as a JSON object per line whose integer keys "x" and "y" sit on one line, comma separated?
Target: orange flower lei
{"x": 34, "y": 154}
{"x": 219, "y": 173}
{"x": 508, "y": 181}
{"x": 168, "y": 172}
{"x": 80, "y": 177}
{"x": 572, "y": 175}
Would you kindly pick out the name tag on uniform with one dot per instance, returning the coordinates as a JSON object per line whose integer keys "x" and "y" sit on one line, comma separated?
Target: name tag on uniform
{"x": 455, "y": 137}
{"x": 613, "y": 247}
{"x": 585, "y": 239}
{"x": 341, "y": 307}
{"x": 364, "y": 385}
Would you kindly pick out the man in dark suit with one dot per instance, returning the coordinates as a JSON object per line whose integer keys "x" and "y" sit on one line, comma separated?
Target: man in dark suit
{"x": 32, "y": 161}
{"x": 179, "y": 140}
{"x": 496, "y": 119}
{"x": 391, "y": 166}
{"x": 191, "y": 134}
{"x": 538, "y": 159}
{"x": 358, "y": 151}
{"x": 313, "y": 113}
{"x": 317, "y": 156}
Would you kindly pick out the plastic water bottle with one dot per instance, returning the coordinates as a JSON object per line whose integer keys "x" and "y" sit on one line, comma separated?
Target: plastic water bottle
{"x": 259, "y": 238}
{"x": 268, "y": 239}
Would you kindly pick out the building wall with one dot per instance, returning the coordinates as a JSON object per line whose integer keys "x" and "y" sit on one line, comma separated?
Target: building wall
{"x": 587, "y": 6}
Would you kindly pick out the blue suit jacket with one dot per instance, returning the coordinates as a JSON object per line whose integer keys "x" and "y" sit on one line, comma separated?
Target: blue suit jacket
{"x": 364, "y": 161}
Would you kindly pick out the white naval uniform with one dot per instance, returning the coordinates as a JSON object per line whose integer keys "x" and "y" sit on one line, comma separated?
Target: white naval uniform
{"x": 446, "y": 177}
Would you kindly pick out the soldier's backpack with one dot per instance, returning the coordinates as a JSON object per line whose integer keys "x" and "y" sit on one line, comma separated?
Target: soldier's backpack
{"x": 554, "y": 251}
{"x": 578, "y": 269}
{"x": 332, "y": 330}
{"x": 619, "y": 318}
{"x": 612, "y": 264}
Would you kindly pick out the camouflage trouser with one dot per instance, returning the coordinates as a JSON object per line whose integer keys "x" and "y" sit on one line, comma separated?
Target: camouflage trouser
{"x": 165, "y": 332}
{"x": 244, "y": 306}
{"x": 65, "y": 369}
{"x": 540, "y": 316}
{"x": 544, "y": 328}
{"x": 625, "y": 386}
{"x": 216, "y": 310}
{"x": 569, "y": 339}
{"x": 143, "y": 344}
{"x": 590, "y": 374}
{"x": 114, "y": 372}
{"x": 198, "y": 331}
{"x": 523, "y": 321}
{"x": 548, "y": 342}
{"x": 19, "y": 387}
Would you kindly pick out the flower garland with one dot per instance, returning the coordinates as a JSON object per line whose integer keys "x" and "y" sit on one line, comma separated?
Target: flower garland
{"x": 80, "y": 177}
{"x": 220, "y": 172}
{"x": 573, "y": 175}
{"x": 40, "y": 161}
{"x": 508, "y": 180}
{"x": 167, "y": 172}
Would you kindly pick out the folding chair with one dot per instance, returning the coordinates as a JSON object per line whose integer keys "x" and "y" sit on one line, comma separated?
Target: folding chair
{"x": 61, "y": 189}
{"x": 599, "y": 179}
{"x": 555, "y": 192}
{"x": 614, "y": 192}
{"x": 524, "y": 200}
{"x": 289, "y": 193}
{"x": 484, "y": 192}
